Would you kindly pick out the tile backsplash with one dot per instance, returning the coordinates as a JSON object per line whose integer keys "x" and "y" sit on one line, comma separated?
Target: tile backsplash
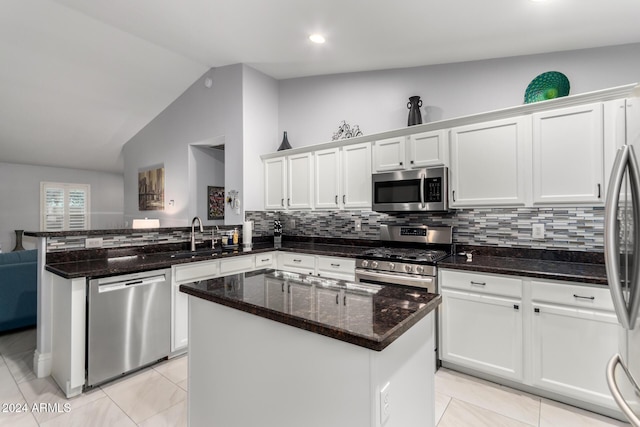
{"x": 573, "y": 228}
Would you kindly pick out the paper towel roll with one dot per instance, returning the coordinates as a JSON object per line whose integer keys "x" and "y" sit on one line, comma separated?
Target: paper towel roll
{"x": 247, "y": 233}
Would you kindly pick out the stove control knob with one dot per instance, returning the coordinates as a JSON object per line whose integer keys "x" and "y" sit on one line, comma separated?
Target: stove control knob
{"x": 407, "y": 268}
{"x": 365, "y": 263}
{"x": 374, "y": 264}
{"x": 392, "y": 266}
{"x": 419, "y": 269}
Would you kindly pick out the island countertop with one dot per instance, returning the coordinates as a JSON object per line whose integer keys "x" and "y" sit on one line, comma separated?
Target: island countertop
{"x": 369, "y": 316}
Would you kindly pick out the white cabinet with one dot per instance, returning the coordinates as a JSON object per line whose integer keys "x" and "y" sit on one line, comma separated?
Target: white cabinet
{"x": 288, "y": 182}
{"x": 481, "y": 323}
{"x": 489, "y": 163}
{"x": 568, "y": 149}
{"x": 336, "y": 268}
{"x": 343, "y": 177}
{"x": 413, "y": 151}
{"x": 297, "y": 263}
{"x": 573, "y": 335}
{"x": 355, "y": 176}
{"x": 275, "y": 183}
{"x": 357, "y": 306}
{"x": 389, "y": 154}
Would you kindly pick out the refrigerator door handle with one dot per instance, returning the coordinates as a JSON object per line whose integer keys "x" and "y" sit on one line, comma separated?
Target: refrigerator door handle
{"x": 611, "y": 238}
{"x": 634, "y": 297}
{"x": 615, "y": 391}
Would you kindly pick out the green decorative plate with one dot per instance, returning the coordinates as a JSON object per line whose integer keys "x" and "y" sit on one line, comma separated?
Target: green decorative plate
{"x": 549, "y": 85}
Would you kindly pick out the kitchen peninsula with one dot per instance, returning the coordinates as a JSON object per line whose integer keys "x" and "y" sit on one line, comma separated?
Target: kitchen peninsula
{"x": 277, "y": 348}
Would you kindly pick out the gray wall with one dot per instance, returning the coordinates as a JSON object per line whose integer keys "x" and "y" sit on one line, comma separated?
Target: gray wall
{"x": 311, "y": 108}
{"x": 20, "y": 198}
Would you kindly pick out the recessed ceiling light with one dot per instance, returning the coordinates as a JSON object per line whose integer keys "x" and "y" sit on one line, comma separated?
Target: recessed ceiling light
{"x": 317, "y": 38}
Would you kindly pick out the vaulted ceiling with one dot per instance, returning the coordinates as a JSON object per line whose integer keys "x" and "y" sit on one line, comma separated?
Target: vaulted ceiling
{"x": 79, "y": 78}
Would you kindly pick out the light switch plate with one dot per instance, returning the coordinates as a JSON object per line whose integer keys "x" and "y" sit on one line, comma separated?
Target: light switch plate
{"x": 93, "y": 242}
{"x": 537, "y": 231}
{"x": 358, "y": 225}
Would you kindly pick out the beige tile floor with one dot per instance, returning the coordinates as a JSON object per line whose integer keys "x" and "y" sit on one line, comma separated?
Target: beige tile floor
{"x": 157, "y": 397}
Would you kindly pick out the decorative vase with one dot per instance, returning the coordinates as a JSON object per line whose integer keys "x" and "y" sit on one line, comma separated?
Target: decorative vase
{"x": 414, "y": 104}
{"x": 18, "y": 241}
{"x": 285, "y": 143}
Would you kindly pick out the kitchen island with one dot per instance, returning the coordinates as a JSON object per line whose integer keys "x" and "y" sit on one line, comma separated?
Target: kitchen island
{"x": 274, "y": 348}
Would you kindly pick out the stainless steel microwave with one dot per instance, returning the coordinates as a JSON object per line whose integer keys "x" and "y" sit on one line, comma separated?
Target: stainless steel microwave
{"x": 416, "y": 190}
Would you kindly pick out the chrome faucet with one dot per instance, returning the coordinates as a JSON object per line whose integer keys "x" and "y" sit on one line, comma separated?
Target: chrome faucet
{"x": 193, "y": 232}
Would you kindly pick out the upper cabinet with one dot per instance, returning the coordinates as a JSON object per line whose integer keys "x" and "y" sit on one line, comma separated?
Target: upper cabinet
{"x": 343, "y": 177}
{"x": 412, "y": 151}
{"x": 489, "y": 163}
{"x": 568, "y": 147}
{"x": 288, "y": 182}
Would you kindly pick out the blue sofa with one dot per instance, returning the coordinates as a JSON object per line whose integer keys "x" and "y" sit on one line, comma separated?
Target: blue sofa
{"x": 18, "y": 289}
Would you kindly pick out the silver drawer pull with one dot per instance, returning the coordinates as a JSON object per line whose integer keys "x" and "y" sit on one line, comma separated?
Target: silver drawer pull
{"x": 297, "y": 260}
{"x": 581, "y": 297}
{"x": 266, "y": 260}
{"x": 478, "y": 283}
{"x": 335, "y": 265}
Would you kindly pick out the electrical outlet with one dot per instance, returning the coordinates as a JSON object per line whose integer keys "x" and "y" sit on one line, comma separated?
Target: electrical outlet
{"x": 93, "y": 242}
{"x": 291, "y": 224}
{"x": 537, "y": 231}
{"x": 385, "y": 403}
{"x": 358, "y": 224}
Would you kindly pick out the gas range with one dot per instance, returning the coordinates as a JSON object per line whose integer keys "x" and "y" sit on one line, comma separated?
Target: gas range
{"x": 408, "y": 258}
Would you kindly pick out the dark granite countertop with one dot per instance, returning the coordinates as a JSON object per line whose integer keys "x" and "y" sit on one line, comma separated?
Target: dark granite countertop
{"x": 593, "y": 273}
{"x": 109, "y": 262}
{"x": 385, "y": 313}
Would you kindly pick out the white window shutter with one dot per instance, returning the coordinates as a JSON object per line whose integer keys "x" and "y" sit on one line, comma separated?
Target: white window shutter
{"x": 54, "y": 209}
{"x": 64, "y": 206}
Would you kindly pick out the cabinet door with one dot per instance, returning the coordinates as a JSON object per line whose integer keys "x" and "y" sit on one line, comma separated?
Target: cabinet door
{"x": 300, "y": 177}
{"x": 428, "y": 149}
{"x": 356, "y": 176}
{"x": 568, "y": 150}
{"x": 389, "y": 154}
{"x": 358, "y": 313}
{"x": 180, "y": 335}
{"x": 275, "y": 295}
{"x": 275, "y": 183}
{"x": 328, "y": 302}
{"x": 300, "y": 300}
{"x": 571, "y": 347}
{"x": 489, "y": 163}
{"x": 336, "y": 268}
{"x": 482, "y": 332}
{"x": 327, "y": 179}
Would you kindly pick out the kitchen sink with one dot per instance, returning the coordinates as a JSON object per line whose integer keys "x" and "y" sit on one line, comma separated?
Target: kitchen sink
{"x": 203, "y": 252}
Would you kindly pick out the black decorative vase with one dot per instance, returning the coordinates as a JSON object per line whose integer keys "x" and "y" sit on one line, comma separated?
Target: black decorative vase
{"x": 414, "y": 104}
{"x": 285, "y": 143}
{"x": 18, "y": 241}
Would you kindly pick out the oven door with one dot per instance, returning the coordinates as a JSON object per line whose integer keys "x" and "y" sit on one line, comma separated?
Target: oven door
{"x": 383, "y": 278}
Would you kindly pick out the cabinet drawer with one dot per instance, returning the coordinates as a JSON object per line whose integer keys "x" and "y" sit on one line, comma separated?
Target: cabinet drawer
{"x": 299, "y": 263}
{"x": 264, "y": 260}
{"x": 195, "y": 271}
{"x": 236, "y": 264}
{"x": 481, "y": 283}
{"x": 572, "y": 295}
{"x": 339, "y": 268}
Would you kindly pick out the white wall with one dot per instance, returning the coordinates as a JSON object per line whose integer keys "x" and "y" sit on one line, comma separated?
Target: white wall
{"x": 311, "y": 108}
{"x": 20, "y": 198}
{"x": 260, "y": 131}
{"x": 199, "y": 114}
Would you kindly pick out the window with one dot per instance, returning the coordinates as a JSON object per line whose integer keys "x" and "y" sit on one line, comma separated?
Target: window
{"x": 64, "y": 206}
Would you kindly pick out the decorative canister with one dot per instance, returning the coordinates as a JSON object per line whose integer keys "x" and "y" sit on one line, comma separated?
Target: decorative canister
{"x": 415, "y": 117}
{"x": 285, "y": 143}
{"x": 18, "y": 241}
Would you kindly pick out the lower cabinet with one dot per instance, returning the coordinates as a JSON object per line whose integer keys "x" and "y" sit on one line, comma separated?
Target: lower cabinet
{"x": 481, "y": 330}
{"x": 556, "y": 337}
{"x": 572, "y": 341}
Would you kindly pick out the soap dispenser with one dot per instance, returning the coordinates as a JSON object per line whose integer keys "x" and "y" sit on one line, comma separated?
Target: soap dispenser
{"x": 235, "y": 236}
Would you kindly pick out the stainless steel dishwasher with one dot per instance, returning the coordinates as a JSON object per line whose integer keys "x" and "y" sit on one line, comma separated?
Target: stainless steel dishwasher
{"x": 128, "y": 323}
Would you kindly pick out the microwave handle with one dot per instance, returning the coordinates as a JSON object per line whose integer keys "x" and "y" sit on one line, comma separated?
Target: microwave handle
{"x": 422, "y": 177}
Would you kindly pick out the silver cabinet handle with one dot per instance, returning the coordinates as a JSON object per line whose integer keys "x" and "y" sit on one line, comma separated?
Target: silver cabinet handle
{"x": 282, "y": 202}
{"x": 297, "y": 260}
{"x": 337, "y": 299}
{"x": 344, "y": 199}
{"x": 478, "y": 283}
{"x": 344, "y": 300}
{"x": 336, "y": 199}
{"x": 335, "y": 265}
{"x": 453, "y": 195}
{"x": 615, "y": 391}
{"x": 581, "y": 297}
{"x": 265, "y": 260}
{"x": 288, "y": 202}
{"x": 599, "y": 195}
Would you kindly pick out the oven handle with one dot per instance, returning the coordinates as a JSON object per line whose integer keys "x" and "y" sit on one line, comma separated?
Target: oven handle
{"x": 422, "y": 282}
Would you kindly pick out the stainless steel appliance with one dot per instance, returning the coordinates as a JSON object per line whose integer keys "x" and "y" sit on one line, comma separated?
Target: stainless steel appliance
{"x": 622, "y": 252}
{"x": 416, "y": 190}
{"x": 128, "y": 323}
{"x": 409, "y": 260}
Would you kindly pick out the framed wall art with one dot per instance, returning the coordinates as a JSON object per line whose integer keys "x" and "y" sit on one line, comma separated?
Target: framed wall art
{"x": 151, "y": 189}
{"x": 215, "y": 202}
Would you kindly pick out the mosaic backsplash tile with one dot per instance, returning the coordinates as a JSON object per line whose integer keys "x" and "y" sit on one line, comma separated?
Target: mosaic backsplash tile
{"x": 576, "y": 228}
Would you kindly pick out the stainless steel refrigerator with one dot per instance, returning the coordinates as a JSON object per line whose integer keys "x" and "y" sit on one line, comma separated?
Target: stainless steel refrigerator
{"x": 622, "y": 252}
